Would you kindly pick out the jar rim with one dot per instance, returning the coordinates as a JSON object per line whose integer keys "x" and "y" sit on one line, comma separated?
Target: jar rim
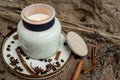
{"x": 38, "y": 8}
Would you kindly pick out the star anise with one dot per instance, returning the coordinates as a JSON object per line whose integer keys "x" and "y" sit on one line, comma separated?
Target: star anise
{"x": 38, "y": 70}
{"x": 50, "y": 67}
{"x": 13, "y": 61}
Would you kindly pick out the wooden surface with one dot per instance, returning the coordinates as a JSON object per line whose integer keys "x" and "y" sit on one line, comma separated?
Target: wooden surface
{"x": 91, "y": 19}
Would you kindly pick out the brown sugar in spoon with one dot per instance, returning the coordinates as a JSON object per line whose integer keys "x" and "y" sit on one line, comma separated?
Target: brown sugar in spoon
{"x": 79, "y": 47}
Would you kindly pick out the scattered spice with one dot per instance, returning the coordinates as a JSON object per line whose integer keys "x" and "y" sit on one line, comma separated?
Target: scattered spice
{"x": 15, "y": 37}
{"x": 24, "y": 62}
{"x": 13, "y": 61}
{"x": 50, "y": 67}
{"x": 8, "y": 46}
{"x": 8, "y": 55}
{"x": 37, "y": 69}
{"x": 2, "y": 71}
{"x": 12, "y": 58}
{"x": 45, "y": 60}
{"x": 21, "y": 51}
{"x": 62, "y": 60}
{"x": 8, "y": 49}
{"x": 57, "y": 55}
{"x": 65, "y": 43}
{"x": 20, "y": 69}
{"x": 10, "y": 27}
{"x": 78, "y": 70}
{"x": 27, "y": 58}
{"x": 54, "y": 68}
{"x": 12, "y": 42}
{"x": 16, "y": 68}
{"x": 49, "y": 60}
{"x": 88, "y": 57}
{"x": 58, "y": 65}
{"x": 41, "y": 59}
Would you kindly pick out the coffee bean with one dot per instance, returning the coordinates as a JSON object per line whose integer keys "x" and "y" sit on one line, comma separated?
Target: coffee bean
{"x": 54, "y": 68}
{"x": 27, "y": 58}
{"x": 20, "y": 69}
{"x": 8, "y": 49}
{"x": 10, "y": 27}
{"x": 62, "y": 60}
{"x": 12, "y": 58}
{"x": 8, "y": 55}
{"x": 57, "y": 63}
{"x": 45, "y": 60}
{"x": 8, "y": 46}
{"x": 12, "y": 42}
{"x": 65, "y": 43}
{"x": 41, "y": 59}
{"x": 88, "y": 57}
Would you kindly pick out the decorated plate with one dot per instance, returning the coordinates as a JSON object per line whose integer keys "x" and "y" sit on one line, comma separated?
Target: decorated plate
{"x": 26, "y": 67}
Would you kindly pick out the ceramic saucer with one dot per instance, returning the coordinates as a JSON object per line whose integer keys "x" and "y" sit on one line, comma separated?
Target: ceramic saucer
{"x": 15, "y": 65}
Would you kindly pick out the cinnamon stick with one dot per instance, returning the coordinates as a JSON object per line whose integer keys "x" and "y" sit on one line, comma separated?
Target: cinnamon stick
{"x": 24, "y": 62}
{"x": 57, "y": 55}
{"x": 94, "y": 51}
{"x": 94, "y": 61}
{"x": 78, "y": 70}
{"x": 88, "y": 69}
